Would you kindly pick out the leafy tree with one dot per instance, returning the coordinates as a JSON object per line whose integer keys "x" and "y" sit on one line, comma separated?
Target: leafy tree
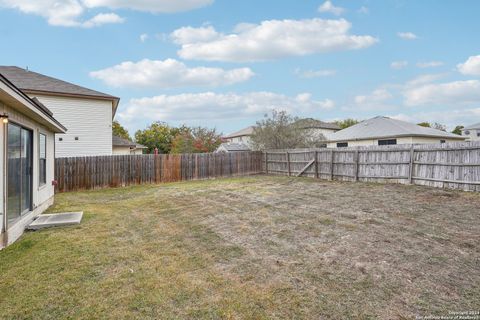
{"x": 280, "y": 131}
{"x": 119, "y": 131}
{"x": 424, "y": 124}
{"x": 435, "y": 125}
{"x": 183, "y": 143}
{"x": 158, "y": 135}
{"x": 346, "y": 123}
{"x": 196, "y": 140}
{"x": 458, "y": 130}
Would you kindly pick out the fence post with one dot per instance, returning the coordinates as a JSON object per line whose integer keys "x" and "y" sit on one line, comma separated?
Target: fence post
{"x": 316, "y": 164}
{"x": 288, "y": 162}
{"x": 331, "y": 165}
{"x": 412, "y": 156}
{"x": 357, "y": 156}
{"x": 266, "y": 162}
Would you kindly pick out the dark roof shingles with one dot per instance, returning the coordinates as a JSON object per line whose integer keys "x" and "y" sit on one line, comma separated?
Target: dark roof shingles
{"x": 33, "y": 81}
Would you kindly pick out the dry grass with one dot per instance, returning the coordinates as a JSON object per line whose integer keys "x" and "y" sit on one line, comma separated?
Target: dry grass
{"x": 260, "y": 247}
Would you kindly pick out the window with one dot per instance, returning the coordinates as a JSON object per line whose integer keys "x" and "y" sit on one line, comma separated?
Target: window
{"x": 478, "y": 134}
{"x": 387, "y": 142}
{"x": 342, "y": 144}
{"x": 467, "y": 132}
{"x": 43, "y": 159}
{"x": 442, "y": 141}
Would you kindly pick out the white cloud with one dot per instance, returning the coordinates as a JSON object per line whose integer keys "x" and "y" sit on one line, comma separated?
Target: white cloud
{"x": 269, "y": 40}
{"x": 378, "y": 100}
{"x": 379, "y": 95}
{"x": 424, "y": 79}
{"x": 213, "y": 106}
{"x": 310, "y": 74}
{"x": 144, "y": 37}
{"x": 363, "y": 10}
{"x": 455, "y": 93}
{"x": 57, "y": 13}
{"x": 429, "y": 64}
{"x": 328, "y": 6}
{"x": 407, "y": 35}
{"x": 101, "y": 19}
{"x": 471, "y": 66}
{"x": 160, "y": 6}
{"x": 450, "y": 118}
{"x": 70, "y": 13}
{"x": 187, "y": 35}
{"x": 398, "y": 64}
{"x": 169, "y": 73}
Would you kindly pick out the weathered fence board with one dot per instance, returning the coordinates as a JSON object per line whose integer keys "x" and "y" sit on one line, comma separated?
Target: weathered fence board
{"x": 83, "y": 173}
{"x": 454, "y": 165}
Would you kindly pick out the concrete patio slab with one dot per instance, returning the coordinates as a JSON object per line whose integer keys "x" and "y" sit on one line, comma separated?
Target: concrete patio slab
{"x": 56, "y": 220}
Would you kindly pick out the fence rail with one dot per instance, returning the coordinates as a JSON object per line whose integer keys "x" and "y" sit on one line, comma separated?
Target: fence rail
{"x": 455, "y": 165}
{"x": 83, "y": 173}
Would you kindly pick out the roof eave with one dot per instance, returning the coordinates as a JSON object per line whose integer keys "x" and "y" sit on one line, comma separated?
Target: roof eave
{"x": 29, "y": 106}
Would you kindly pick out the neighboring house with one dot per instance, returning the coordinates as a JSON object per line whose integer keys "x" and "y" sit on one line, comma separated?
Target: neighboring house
{"x": 121, "y": 146}
{"x": 387, "y": 131}
{"x": 86, "y": 113}
{"x": 232, "y": 147}
{"x": 242, "y": 136}
{"x": 317, "y": 129}
{"x": 27, "y": 160}
{"x": 472, "y": 133}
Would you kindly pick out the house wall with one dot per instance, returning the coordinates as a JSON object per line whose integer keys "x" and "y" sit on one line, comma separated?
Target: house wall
{"x": 400, "y": 140}
{"x": 317, "y": 133}
{"x": 42, "y": 196}
{"x": 121, "y": 150}
{"x": 473, "y": 134}
{"x": 88, "y": 119}
{"x": 241, "y": 139}
{"x": 136, "y": 151}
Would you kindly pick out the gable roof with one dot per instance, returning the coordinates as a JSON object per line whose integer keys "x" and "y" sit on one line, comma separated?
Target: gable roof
{"x": 310, "y": 123}
{"x": 32, "y": 107}
{"x": 473, "y": 126}
{"x": 248, "y": 131}
{"x": 122, "y": 142}
{"x": 384, "y": 127}
{"x": 234, "y": 147}
{"x": 34, "y": 82}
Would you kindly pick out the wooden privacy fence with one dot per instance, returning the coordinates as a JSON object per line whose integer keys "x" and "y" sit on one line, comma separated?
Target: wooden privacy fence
{"x": 81, "y": 173}
{"x": 455, "y": 165}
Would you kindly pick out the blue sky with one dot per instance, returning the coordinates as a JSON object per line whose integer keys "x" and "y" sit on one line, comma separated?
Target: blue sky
{"x": 224, "y": 64}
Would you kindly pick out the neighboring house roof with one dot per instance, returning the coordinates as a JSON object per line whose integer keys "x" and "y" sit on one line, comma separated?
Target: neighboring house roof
{"x": 34, "y": 82}
{"x": 121, "y": 142}
{"x": 14, "y": 94}
{"x": 309, "y": 123}
{"x": 231, "y": 147}
{"x": 473, "y": 126}
{"x": 248, "y": 131}
{"x": 384, "y": 127}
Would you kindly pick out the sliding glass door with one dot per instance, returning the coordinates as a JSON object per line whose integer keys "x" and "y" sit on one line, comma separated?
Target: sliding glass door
{"x": 19, "y": 157}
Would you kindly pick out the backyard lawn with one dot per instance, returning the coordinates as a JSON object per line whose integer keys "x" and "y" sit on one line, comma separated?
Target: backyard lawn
{"x": 255, "y": 247}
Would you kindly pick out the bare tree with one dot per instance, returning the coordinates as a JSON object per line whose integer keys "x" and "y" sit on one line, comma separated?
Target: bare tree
{"x": 279, "y": 131}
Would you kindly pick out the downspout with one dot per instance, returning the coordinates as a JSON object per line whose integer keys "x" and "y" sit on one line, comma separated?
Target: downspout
{"x": 4, "y": 237}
